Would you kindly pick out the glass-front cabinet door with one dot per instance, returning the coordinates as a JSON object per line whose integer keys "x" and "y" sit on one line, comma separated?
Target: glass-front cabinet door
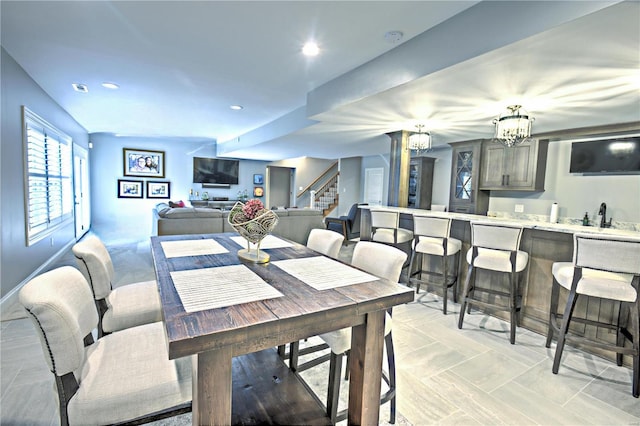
{"x": 464, "y": 175}
{"x": 464, "y": 196}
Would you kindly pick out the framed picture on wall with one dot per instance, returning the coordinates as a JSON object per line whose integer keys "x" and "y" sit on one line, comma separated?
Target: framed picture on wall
{"x": 140, "y": 162}
{"x": 258, "y": 191}
{"x": 258, "y": 179}
{"x": 158, "y": 189}
{"x": 129, "y": 188}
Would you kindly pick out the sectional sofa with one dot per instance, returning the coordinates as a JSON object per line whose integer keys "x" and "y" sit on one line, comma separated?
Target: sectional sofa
{"x": 293, "y": 223}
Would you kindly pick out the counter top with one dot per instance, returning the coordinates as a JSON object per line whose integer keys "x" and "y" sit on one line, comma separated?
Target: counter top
{"x": 527, "y": 224}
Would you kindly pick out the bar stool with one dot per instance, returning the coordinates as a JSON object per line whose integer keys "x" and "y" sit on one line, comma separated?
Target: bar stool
{"x": 328, "y": 243}
{"x": 604, "y": 267}
{"x": 385, "y": 228}
{"x": 496, "y": 247}
{"x": 431, "y": 237}
{"x": 385, "y": 262}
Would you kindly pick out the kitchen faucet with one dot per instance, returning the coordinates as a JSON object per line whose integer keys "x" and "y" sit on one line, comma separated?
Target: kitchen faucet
{"x": 603, "y": 216}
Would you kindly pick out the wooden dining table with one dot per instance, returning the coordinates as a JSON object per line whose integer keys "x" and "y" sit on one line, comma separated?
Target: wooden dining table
{"x": 216, "y": 307}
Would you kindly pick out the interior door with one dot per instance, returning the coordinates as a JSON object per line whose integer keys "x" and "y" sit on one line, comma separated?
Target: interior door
{"x": 373, "y": 182}
{"x": 82, "y": 212}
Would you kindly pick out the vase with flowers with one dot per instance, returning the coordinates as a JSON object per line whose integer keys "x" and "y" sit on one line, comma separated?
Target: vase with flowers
{"x": 253, "y": 222}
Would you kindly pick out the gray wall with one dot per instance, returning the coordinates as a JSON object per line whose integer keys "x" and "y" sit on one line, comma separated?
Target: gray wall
{"x": 132, "y": 217}
{"x": 19, "y": 262}
{"x": 350, "y": 185}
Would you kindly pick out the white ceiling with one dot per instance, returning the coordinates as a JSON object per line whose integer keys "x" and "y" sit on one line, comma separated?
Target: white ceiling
{"x": 180, "y": 65}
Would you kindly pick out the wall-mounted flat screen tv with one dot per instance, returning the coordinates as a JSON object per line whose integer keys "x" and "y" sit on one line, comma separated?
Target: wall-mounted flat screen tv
{"x": 215, "y": 171}
{"x": 619, "y": 155}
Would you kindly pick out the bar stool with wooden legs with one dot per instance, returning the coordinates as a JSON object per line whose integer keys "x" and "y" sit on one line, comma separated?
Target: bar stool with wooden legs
{"x": 604, "y": 267}
{"x": 431, "y": 237}
{"x": 385, "y": 228}
{"x": 495, "y": 246}
{"x": 386, "y": 262}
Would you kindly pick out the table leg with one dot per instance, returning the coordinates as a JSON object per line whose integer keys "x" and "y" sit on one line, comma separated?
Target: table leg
{"x": 211, "y": 375}
{"x": 365, "y": 367}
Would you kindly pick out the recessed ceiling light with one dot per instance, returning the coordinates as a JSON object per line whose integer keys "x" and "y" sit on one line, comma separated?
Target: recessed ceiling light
{"x": 310, "y": 49}
{"x": 236, "y": 107}
{"x": 393, "y": 37}
{"x": 108, "y": 85}
{"x": 79, "y": 87}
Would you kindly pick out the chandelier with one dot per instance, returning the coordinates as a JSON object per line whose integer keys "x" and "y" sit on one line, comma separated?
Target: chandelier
{"x": 513, "y": 127}
{"x": 421, "y": 141}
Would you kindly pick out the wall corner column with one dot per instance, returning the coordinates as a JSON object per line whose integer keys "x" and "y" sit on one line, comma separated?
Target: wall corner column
{"x": 399, "y": 159}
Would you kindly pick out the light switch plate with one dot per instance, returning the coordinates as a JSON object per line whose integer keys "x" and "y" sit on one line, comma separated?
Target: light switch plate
{"x": 519, "y": 208}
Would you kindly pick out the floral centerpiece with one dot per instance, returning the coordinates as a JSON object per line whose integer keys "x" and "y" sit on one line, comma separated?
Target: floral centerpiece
{"x": 253, "y": 222}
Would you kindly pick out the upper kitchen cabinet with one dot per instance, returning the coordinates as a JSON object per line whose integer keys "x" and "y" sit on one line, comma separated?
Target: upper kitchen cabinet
{"x": 465, "y": 196}
{"x": 519, "y": 168}
{"x": 420, "y": 182}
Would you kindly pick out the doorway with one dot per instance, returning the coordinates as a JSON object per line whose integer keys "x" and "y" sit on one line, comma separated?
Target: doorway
{"x": 279, "y": 184}
{"x": 82, "y": 203}
{"x": 373, "y": 186}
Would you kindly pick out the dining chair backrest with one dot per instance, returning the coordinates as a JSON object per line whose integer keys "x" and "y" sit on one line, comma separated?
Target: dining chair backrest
{"x": 325, "y": 242}
{"x": 496, "y": 235}
{"x": 95, "y": 263}
{"x": 607, "y": 253}
{"x": 61, "y": 306}
{"x": 381, "y": 260}
{"x": 431, "y": 226}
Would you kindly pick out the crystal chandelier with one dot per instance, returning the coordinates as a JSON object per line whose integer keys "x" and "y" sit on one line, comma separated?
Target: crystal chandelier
{"x": 421, "y": 141}
{"x": 513, "y": 127}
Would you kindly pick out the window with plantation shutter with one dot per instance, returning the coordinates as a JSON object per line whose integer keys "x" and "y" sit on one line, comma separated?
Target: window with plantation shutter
{"x": 48, "y": 177}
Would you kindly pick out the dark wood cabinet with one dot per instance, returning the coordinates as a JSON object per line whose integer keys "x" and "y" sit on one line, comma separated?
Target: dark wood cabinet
{"x": 420, "y": 182}
{"x": 465, "y": 196}
{"x": 519, "y": 168}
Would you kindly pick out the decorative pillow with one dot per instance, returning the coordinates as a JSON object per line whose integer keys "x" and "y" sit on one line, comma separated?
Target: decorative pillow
{"x": 176, "y": 204}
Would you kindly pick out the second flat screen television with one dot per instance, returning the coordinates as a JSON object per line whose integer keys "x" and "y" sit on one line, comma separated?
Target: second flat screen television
{"x": 215, "y": 171}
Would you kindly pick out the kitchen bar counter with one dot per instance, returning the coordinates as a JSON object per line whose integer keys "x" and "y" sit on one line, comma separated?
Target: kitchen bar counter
{"x": 527, "y": 224}
{"x": 546, "y": 243}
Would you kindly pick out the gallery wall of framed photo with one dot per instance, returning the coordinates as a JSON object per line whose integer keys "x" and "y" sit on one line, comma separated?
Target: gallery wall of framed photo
{"x": 143, "y": 163}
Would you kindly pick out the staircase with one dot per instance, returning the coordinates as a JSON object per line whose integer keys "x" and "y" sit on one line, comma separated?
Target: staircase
{"x": 326, "y": 198}
{"x": 322, "y": 193}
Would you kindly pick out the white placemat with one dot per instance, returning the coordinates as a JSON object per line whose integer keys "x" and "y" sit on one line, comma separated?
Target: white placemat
{"x": 268, "y": 242}
{"x": 210, "y": 288}
{"x": 323, "y": 273}
{"x": 192, "y": 248}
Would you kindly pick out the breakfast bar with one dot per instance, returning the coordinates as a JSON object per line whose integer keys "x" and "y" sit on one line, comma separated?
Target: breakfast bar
{"x": 545, "y": 243}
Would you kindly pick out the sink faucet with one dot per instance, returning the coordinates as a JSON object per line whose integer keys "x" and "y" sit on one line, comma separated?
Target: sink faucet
{"x": 603, "y": 216}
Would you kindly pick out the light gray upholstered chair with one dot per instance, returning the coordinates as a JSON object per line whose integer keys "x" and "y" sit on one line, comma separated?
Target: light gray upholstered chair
{"x": 438, "y": 208}
{"x": 385, "y": 262}
{"x": 432, "y": 238}
{"x": 495, "y": 246}
{"x": 385, "y": 228}
{"x": 118, "y": 308}
{"x": 121, "y": 377}
{"x": 328, "y": 243}
{"x": 325, "y": 242}
{"x": 603, "y": 267}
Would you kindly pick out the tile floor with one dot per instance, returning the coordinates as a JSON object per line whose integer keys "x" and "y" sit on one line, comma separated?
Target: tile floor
{"x": 471, "y": 376}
